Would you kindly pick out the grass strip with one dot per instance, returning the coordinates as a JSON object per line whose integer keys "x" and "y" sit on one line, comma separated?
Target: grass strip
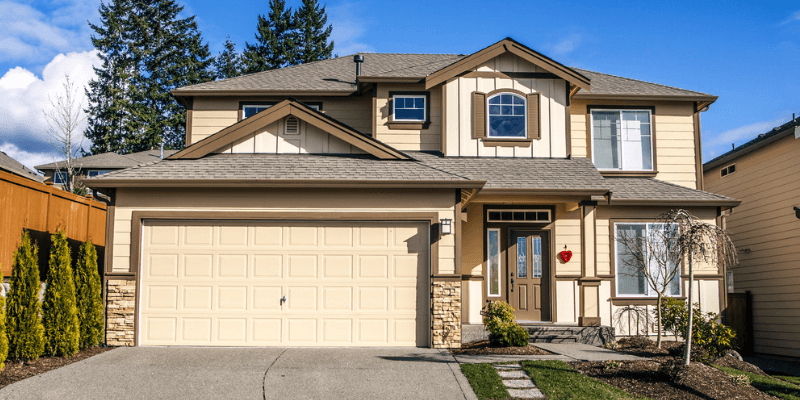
{"x": 768, "y": 384}
{"x": 787, "y": 378}
{"x": 560, "y": 381}
{"x": 485, "y": 381}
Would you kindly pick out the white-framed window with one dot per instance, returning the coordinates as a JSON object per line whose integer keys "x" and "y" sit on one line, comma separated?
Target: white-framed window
{"x": 248, "y": 110}
{"x": 654, "y": 241}
{"x": 506, "y": 116}
{"x": 97, "y": 172}
{"x": 409, "y": 107}
{"x": 60, "y": 177}
{"x": 493, "y": 266}
{"x": 622, "y": 140}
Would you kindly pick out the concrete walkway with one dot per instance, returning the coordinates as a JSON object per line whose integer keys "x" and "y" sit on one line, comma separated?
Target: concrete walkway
{"x": 252, "y": 373}
{"x": 566, "y": 352}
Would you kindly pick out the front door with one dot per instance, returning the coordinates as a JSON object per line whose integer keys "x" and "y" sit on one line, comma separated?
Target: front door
{"x": 528, "y": 274}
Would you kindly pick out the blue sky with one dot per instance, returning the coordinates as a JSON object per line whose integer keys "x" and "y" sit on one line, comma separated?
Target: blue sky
{"x": 747, "y": 53}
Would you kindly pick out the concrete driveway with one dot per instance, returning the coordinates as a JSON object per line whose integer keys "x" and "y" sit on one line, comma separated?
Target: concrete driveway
{"x": 252, "y": 373}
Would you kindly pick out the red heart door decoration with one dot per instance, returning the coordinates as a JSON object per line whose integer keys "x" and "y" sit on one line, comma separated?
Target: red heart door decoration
{"x": 565, "y": 256}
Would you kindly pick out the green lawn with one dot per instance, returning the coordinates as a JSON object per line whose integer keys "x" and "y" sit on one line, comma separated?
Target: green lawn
{"x": 559, "y": 381}
{"x": 485, "y": 381}
{"x": 769, "y": 385}
{"x": 793, "y": 379}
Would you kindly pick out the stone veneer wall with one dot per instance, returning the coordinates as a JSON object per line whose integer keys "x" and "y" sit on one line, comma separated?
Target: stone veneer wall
{"x": 120, "y": 309}
{"x": 446, "y": 314}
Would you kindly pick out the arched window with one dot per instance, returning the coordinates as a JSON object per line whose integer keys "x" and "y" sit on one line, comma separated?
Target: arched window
{"x": 507, "y": 117}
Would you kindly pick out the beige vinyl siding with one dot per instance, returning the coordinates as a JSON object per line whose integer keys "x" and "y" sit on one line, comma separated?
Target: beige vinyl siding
{"x": 429, "y": 139}
{"x": 283, "y": 201}
{"x": 459, "y": 141}
{"x": 674, "y": 129}
{"x": 765, "y": 231}
{"x": 212, "y": 114}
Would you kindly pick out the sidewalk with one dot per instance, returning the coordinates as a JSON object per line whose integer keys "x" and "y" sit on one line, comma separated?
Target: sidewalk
{"x": 566, "y": 352}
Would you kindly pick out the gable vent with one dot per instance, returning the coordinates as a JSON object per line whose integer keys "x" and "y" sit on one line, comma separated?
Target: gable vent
{"x": 292, "y": 126}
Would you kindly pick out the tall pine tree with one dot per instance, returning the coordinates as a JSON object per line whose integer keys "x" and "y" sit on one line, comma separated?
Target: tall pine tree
{"x": 147, "y": 50}
{"x": 228, "y": 64}
{"x": 311, "y": 36}
{"x": 274, "y": 46}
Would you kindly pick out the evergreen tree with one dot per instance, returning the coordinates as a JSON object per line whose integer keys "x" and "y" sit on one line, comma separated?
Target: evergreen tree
{"x": 274, "y": 40}
{"x": 147, "y": 51}
{"x": 228, "y": 64}
{"x": 3, "y": 335}
{"x": 88, "y": 297}
{"x": 23, "y": 326}
{"x": 311, "y": 37}
{"x": 59, "y": 313}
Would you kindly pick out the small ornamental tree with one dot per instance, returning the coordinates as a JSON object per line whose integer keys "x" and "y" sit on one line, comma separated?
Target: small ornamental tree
{"x": 23, "y": 326}
{"x": 3, "y": 335}
{"x": 88, "y": 297}
{"x": 59, "y": 313}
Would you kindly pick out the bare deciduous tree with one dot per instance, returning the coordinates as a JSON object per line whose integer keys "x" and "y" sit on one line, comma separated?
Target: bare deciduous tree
{"x": 63, "y": 119}
{"x": 699, "y": 241}
{"x": 654, "y": 256}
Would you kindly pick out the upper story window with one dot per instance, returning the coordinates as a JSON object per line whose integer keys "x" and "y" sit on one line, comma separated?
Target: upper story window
{"x": 647, "y": 247}
{"x": 507, "y": 116}
{"x": 248, "y": 110}
{"x": 411, "y": 108}
{"x": 727, "y": 170}
{"x": 59, "y": 178}
{"x": 97, "y": 172}
{"x": 622, "y": 140}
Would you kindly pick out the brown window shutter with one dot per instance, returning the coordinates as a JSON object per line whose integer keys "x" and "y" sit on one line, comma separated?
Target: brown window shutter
{"x": 478, "y": 115}
{"x": 534, "y": 122}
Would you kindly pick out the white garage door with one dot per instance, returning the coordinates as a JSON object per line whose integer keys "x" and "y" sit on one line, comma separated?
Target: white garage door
{"x": 228, "y": 283}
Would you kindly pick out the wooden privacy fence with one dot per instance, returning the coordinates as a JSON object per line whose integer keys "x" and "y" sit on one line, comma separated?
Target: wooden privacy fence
{"x": 42, "y": 209}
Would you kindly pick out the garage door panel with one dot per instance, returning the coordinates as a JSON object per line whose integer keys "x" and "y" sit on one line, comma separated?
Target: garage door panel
{"x": 346, "y": 284}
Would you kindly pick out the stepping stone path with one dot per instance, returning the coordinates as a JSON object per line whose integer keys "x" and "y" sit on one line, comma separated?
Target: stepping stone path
{"x": 517, "y": 382}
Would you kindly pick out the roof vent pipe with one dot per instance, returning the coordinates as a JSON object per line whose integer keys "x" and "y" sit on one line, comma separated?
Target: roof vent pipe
{"x": 358, "y": 59}
{"x": 162, "y": 150}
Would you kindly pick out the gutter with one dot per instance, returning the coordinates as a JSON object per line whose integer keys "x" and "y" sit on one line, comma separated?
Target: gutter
{"x": 671, "y": 203}
{"x": 279, "y": 183}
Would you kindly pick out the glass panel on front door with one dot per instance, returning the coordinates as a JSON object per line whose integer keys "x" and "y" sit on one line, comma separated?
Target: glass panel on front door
{"x": 537, "y": 256}
{"x": 522, "y": 258}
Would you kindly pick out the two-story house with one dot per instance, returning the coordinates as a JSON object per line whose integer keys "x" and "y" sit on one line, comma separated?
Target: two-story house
{"x": 382, "y": 199}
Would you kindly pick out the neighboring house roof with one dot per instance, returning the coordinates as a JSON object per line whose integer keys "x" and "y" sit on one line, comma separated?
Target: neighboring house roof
{"x": 249, "y": 126}
{"x": 15, "y": 167}
{"x": 534, "y": 174}
{"x": 283, "y": 170}
{"x": 337, "y": 76}
{"x": 110, "y": 160}
{"x": 790, "y": 128}
{"x": 650, "y": 191}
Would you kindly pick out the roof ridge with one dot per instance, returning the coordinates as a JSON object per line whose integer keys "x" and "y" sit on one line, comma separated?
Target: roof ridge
{"x": 642, "y": 81}
{"x": 757, "y": 139}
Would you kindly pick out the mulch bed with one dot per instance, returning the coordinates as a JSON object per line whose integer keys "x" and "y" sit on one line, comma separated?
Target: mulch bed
{"x": 485, "y": 348}
{"x": 16, "y": 371}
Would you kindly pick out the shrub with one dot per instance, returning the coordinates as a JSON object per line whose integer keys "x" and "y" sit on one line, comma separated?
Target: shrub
{"x": 59, "y": 313}
{"x": 23, "y": 326}
{"x": 88, "y": 297}
{"x": 503, "y": 329}
{"x": 3, "y": 335}
{"x": 710, "y": 338}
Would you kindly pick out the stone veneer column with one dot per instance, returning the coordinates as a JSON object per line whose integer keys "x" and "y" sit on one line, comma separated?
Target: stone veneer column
{"x": 446, "y": 313}
{"x": 120, "y": 309}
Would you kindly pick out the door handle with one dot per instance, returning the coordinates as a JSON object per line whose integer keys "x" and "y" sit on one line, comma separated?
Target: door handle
{"x": 512, "y": 284}
{"x": 283, "y": 300}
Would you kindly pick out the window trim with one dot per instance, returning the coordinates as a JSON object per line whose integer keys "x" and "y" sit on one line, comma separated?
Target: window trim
{"x": 499, "y": 263}
{"x": 615, "y": 266}
{"x": 410, "y": 96}
{"x": 408, "y": 124}
{"x": 726, "y": 169}
{"x": 496, "y": 139}
{"x": 653, "y": 134}
{"x": 547, "y": 210}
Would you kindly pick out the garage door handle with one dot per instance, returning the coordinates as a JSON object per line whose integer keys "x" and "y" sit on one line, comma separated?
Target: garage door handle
{"x": 283, "y": 300}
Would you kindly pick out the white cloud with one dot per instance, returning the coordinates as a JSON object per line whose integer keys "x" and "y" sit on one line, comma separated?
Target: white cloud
{"x": 27, "y": 158}
{"x": 32, "y": 36}
{"x": 720, "y": 143}
{"x": 792, "y": 18}
{"x": 348, "y": 29}
{"x": 566, "y": 45}
{"x": 26, "y": 97}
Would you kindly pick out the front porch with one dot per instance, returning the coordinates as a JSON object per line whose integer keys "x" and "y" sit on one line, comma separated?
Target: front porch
{"x": 548, "y": 333}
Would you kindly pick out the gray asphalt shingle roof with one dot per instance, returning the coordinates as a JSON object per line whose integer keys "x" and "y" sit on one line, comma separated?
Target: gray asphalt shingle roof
{"x": 650, "y": 189}
{"x": 111, "y": 160}
{"x": 17, "y": 168}
{"x": 339, "y": 74}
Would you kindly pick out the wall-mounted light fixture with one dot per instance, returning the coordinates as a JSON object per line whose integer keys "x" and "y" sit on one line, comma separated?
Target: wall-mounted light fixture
{"x": 797, "y": 212}
{"x": 447, "y": 226}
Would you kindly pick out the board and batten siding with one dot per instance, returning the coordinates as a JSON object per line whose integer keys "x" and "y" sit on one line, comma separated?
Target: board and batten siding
{"x": 766, "y": 233}
{"x": 674, "y": 131}
{"x": 212, "y": 114}
{"x": 273, "y": 139}
{"x": 458, "y": 115}
{"x": 429, "y": 139}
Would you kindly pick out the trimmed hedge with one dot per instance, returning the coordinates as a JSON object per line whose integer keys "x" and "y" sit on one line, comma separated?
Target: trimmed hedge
{"x": 89, "y": 298}
{"x": 59, "y": 312}
{"x": 23, "y": 326}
